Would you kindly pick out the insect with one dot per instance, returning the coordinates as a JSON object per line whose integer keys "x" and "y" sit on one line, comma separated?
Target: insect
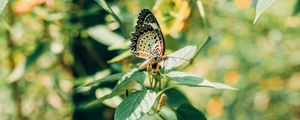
{"x": 161, "y": 102}
{"x": 148, "y": 41}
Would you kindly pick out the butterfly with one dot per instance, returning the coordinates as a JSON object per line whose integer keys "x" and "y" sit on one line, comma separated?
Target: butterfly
{"x": 148, "y": 41}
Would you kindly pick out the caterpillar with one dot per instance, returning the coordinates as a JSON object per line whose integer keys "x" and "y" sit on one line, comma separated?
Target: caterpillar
{"x": 161, "y": 102}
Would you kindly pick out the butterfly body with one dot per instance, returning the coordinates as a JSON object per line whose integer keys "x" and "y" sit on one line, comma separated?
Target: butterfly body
{"x": 151, "y": 61}
{"x": 148, "y": 41}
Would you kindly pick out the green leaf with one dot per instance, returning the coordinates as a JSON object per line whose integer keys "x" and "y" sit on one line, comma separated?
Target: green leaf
{"x": 173, "y": 94}
{"x": 85, "y": 83}
{"x": 135, "y": 105}
{"x": 183, "y": 78}
{"x": 2, "y": 5}
{"x": 202, "y": 14}
{"x": 106, "y": 79}
{"x": 19, "y": 71}
{"x": 120, "y": 57}
{"x": 188, "y": 112}
{"x": 104, "y": 5}
{"x": 297, "y": 8}
{"x": 166, "y": 113}
{"x": 119, "y": 46}
{"x": 129, "y": 79}
{"x": 105, "y": 36}
{"x": 127, "y": 82}
{"x": 201, "y": 9}
{"x": 112, "y": 102}
{"x": 261, "y": 6}
{"x": 107, "y": 8}
{"x": 179, "y": 57}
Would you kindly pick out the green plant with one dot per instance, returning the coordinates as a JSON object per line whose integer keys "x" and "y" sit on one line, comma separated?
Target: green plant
{"x": 143, "y": 90}
{"x": 143, "y": 99}
{"x": 49, "y": 47}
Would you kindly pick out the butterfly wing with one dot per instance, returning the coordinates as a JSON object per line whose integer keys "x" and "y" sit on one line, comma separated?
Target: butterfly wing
{"x": 147, "y": 41}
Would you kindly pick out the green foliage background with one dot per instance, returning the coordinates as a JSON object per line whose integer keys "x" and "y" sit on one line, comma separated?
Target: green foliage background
{"x": 50, "y": 48}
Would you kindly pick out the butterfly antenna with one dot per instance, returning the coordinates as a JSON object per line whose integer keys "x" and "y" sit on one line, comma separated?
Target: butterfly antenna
{"x": 179, "y": 58}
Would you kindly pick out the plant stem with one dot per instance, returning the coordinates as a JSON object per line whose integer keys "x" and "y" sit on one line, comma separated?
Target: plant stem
{"x": 201, "y": 48}
{"x": 150, "y": 78}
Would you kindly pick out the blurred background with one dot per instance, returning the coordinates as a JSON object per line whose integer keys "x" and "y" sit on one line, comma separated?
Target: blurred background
{"x": 50, "y": 47}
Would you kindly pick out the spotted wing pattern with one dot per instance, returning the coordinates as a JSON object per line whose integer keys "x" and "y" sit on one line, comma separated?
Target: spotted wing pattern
{"x": 148, "y": 41}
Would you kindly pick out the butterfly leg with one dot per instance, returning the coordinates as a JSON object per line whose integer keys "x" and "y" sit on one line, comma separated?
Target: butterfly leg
{"x": 145, "y": 65}
{"x": 157, "y": 67}
{"x": 149, "y": 68}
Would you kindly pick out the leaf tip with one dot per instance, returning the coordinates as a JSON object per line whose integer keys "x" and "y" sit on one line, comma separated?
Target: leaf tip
{"x": 255, "y": 19}
{"x": 232, "y": 88}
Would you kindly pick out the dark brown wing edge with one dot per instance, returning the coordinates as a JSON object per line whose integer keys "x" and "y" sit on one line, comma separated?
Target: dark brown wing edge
{"x": 141, "y": 28}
